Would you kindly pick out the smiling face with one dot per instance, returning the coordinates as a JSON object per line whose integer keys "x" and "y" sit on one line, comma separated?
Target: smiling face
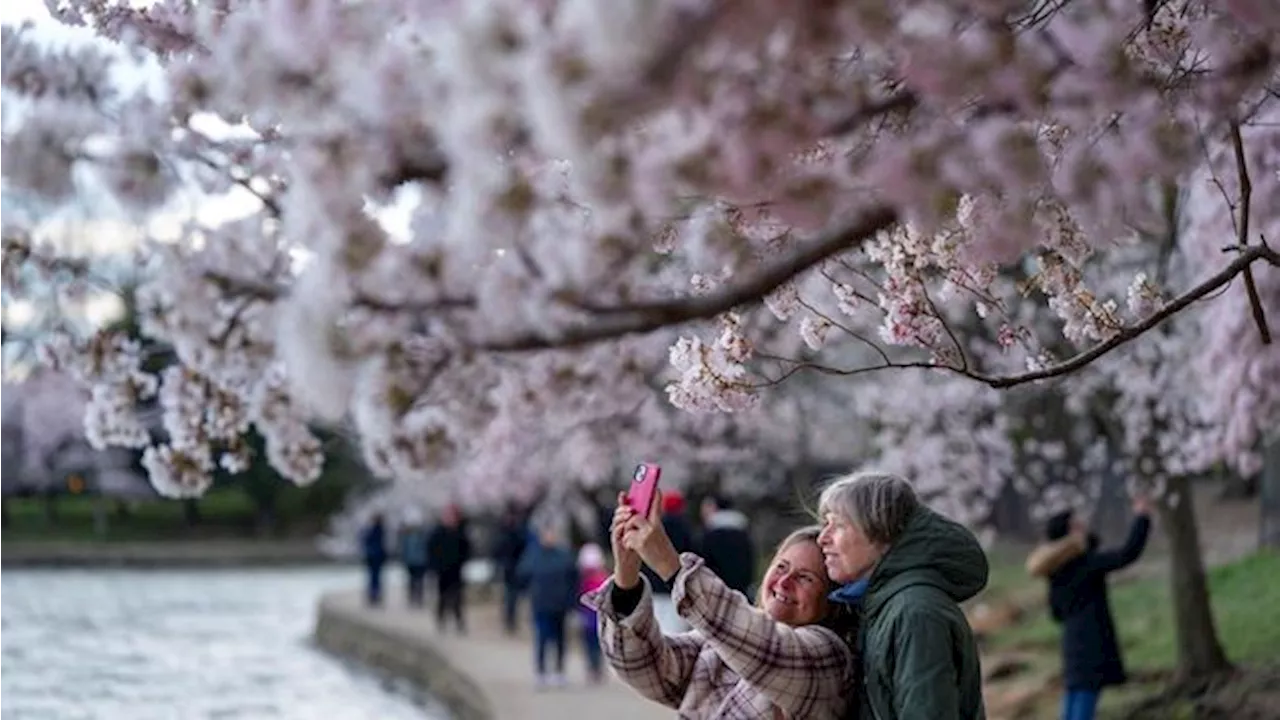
{"x": 847, "y": 553}
{"x": 794, "y": 591}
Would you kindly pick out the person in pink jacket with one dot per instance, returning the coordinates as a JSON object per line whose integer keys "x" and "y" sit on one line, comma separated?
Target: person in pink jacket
{"x": 592, "y": 575}
{"x": 777, "y": 660}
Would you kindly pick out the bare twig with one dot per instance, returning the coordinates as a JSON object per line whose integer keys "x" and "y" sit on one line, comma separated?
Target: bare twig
{"x": 848, "y": 330}
{"x": 898, "y": 102}
{"x": 1247, "y": 257}
{"x": 955, "y": 341}
{"x": 268, "y": 292}
{"x": 1242, "y": 233}
{"x": 246, "y": 182}
{"x": 799, "y": 365}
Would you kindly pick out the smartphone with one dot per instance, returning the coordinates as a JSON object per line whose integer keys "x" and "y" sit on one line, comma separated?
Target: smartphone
{"x": 644, "y": 486}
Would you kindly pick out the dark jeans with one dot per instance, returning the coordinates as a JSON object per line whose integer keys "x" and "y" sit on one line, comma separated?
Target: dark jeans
{"x": 1079, "y": 704}
{"x": 510, "y": 607}
{"x": 373, "y": 582}
{"x": 449, "y": 599}
{"x": 591, "y": 644}
{"x": 417, "y": 583}
{"x": 548, "y": 629}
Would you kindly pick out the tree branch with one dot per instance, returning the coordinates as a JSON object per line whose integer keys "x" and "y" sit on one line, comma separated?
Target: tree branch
{"x": 1000, "y": 382}
{"x": 1242, "y": 232}
{"x": 647, "y": 317}
{"x": 268, "y": 292}
{"x": 1247, "y": 257}
{"x": 900, "y": 101}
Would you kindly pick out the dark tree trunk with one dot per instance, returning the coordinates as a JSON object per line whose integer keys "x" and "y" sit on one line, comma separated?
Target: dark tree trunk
{"x": 1237, "y": 487}
{"x": 1269, "y": 490}
{"x": 100, "y": 517}
{"x": 1200, "y": 653}
{"x": 266, "y": 523}
{"x": 191, "y": 511}
{"x": 1112, "y": 516}
{"x": 1011, "y": 515}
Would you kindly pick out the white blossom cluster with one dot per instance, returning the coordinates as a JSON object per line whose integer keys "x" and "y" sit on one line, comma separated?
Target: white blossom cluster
{"x": 941, "y": 184}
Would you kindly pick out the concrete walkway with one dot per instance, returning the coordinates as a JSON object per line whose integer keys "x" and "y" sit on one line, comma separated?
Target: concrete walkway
{"x": 499, "y": 667}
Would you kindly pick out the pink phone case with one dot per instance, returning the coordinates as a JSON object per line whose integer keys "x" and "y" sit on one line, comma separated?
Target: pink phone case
{"x": 644, "y": 486}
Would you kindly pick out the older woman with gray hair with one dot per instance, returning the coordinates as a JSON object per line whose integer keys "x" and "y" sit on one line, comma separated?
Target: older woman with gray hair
{"x": 905, "y": 569}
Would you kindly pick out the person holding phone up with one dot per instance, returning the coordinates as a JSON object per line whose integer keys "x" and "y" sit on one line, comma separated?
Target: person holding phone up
{"x": 780, "y": 659}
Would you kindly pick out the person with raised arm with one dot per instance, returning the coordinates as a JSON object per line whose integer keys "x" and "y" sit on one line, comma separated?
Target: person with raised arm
{"x": 781, "y": 659}
{"x": 1076, "y": 571}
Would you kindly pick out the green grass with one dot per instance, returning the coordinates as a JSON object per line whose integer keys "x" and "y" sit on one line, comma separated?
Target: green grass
{"x": 1008, "y": 578}
{"x": 223, "y": 513}
{"x": 1244, "y": 594}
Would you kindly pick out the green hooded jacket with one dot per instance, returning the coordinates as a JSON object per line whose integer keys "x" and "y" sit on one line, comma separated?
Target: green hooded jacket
{"x": 919, "y": 658}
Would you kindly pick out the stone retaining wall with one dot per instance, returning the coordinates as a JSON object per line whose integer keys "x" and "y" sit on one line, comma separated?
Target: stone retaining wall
{"x": 361, "y": 637}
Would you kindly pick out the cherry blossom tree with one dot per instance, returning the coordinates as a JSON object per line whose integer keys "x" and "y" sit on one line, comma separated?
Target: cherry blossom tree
{"x": 586, "y": 179}
{"x": 1194, "y": 394}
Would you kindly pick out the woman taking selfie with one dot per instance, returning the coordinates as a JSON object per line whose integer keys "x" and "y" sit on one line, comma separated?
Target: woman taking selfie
{"x": 777, "y": 660}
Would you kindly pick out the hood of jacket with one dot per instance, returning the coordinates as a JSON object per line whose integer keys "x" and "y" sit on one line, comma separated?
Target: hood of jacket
{"x": 933, "y": 550}
{"x": 1049, "y": 557}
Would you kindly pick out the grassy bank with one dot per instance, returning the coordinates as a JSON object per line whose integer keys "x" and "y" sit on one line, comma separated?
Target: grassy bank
{"x": 1246, "y": 605}
{"x": 221, "y": 514}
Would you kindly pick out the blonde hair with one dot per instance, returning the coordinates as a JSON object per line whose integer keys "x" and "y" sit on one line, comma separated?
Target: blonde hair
{"x": 809, "y": 534}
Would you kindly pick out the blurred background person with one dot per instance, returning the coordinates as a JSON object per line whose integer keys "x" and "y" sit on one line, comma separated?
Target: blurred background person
{"x": 509, "y": 546}
{"x": 413, "y": 553}
{"x": 591, "y": 574}
{"x": 726, "y": 544}
{"x": 678, "y": 528}
{"x": 448, "y": 550}
{"x": 373, "y": 545}
{"x": 1077, "y": 573}
{"x": 549, "y": 572}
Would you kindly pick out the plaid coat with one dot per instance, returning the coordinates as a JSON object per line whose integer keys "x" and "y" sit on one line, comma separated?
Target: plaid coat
{"x": 736, "y": 663}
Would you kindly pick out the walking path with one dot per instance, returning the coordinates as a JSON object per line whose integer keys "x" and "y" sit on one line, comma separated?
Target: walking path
{"x": 484, "y": 662}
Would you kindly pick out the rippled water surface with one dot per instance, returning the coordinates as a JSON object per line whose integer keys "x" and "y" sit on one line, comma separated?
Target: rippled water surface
{"x": 181, "y": 644}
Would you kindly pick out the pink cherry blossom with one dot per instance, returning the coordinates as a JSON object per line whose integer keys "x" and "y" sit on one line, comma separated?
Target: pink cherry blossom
{"x": 473, "y": 232}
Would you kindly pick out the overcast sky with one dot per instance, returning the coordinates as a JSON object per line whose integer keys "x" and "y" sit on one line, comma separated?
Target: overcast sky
{"x": 13, "y": 12}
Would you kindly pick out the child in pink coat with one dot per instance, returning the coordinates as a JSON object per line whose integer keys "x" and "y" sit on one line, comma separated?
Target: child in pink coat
{"x": 593, "y": 575}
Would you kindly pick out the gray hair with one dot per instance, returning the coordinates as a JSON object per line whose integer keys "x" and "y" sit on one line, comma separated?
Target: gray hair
{"x": 879, "y": 503}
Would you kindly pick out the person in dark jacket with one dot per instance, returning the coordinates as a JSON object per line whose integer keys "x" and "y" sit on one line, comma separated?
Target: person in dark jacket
{"x": 373, "y": 545}
{"x": 413, "y": 553}
{"x": 448, "y": 550}
{"x": 550, "y": 573}
{"x": 905, "y": 570}
{"x": 726, "y": 544}
{"x": 1077, "y": 574}
{"x": 679, "y": 529}
{"x": 511, "y": 542}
